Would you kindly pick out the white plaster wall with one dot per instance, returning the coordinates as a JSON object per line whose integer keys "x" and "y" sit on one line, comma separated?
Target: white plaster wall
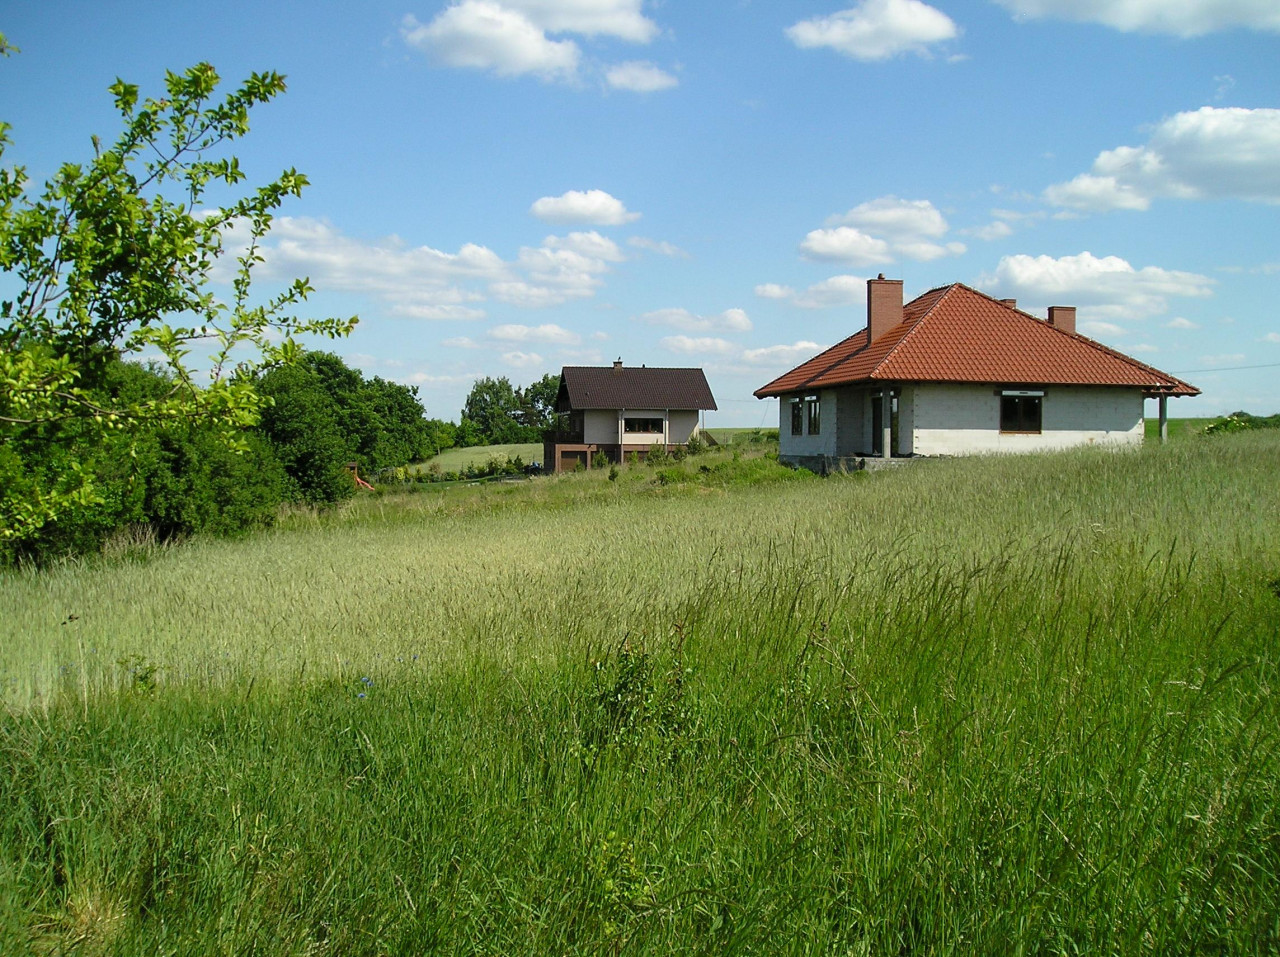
{"x": 600, "y": 427}
{"x": 681, "y": 424}
{"x": 965, "y": 419}
{"x": 822, "y": 444}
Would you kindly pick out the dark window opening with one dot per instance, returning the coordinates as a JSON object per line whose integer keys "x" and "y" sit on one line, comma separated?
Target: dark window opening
{"x": 813, "y": 411}
{"x": 1020, "y": 413}
{"x": 648, "y": 426}
{"x": 797, "y": 418}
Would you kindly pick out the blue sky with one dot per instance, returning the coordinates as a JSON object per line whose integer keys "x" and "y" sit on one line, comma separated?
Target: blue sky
{"x": 503, "y": 187}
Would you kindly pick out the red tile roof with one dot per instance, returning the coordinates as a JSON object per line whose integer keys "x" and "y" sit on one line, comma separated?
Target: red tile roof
{"x": 957, "y": 334}
{"x": 646, "y": 387}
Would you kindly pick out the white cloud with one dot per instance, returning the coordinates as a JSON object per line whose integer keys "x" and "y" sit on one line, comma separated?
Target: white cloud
{"x": 415, "y": 282}
{"x": 615, "y": 18}
{"x": 731, "y": 320}
{"x": 592, "y": 207}
{"x": 1271, "y": 337}
{"x": 847, "y": 245}
{"x": 522, "y": 360}
{"x": 484, "y": 35}
{"x": 639, "y": 76}
{"x": 782, "y": 355}
{"x": 460, "y": 342}
{"x": 1180, "y": 323}
{"x": 1144, "y": 347}
{"x": 771, "y": 290}
{"x": 1223, "y": 357}
{"x": 1098, "y": 329}
{"x": 1209, "y": 153}
{"x": 876, "y": 29}
{"x": 510, "y": 37}
{"x": 996, "y": 229}
{"x": 425, "y": 283}
{"x": 906, "y": 220}
{"x": 591, "y": 244}
{"x": 549, "y": 333}
{"x": 1184, "y": 18}
{"x": 836, "y": 291}
{"x": 882, "y": 231}
{"x": 706, "y": 345}
{"x": 661, "y": 247}
{"x": 1108, "y": 287}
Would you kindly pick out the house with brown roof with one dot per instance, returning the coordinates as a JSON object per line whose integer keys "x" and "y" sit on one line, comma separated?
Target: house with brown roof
{"x": 621, "y": 410}
{"x": 956, "y": 372}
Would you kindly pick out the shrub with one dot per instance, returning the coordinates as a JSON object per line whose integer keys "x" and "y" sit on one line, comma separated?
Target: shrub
{"x": 657, "y": 456}
{"x": 599, "y": 460}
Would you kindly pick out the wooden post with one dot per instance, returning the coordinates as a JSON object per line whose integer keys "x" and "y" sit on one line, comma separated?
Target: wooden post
{"x": 1164, "y": 419}
{"x": 886, "y": 423}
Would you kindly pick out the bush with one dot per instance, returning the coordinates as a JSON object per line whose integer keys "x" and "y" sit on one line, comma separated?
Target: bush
{"x": 1242, "y": 422}
{"x": 599, "y": 460}
{"x": 658, "y": 456}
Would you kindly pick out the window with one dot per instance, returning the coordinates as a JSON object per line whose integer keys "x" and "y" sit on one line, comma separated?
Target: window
{"x": 797, "y": 417}
{"x": 813, "y": 411}
{"x": 1020, "y": 411}
{"x": 648, "y": 426}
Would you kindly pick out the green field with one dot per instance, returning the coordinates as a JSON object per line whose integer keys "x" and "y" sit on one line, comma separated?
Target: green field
{"x": 989, "y": 705}
{"x": 453, "y": 460}
{"x": 1179, "y": 428}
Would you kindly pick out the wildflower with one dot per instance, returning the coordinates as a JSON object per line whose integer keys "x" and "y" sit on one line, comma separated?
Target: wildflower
{"x": 367, "y": 681}
{"x": 360, "y": 695}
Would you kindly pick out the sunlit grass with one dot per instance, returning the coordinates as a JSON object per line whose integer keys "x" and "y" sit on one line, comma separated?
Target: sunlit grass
{"x": 981, "y": 705}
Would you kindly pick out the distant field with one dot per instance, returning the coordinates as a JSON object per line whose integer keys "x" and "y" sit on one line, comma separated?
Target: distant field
{"x": 451, "y": 460}
{"x": 993, "y": 705}
{"x": 733, "y": 436}
{"x": 1179, "y": 428}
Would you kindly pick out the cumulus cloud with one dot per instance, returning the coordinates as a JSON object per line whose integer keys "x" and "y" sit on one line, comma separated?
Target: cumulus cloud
{"x": 639, "y": 76}
{"x": 1185, "y": 18}
{"x": 731, "y": 320}
{"x": 1108, "y": 287}
{"x": 1209, "y": 153}
{"x": 771, "y": 290}
{"x": 836, "y": 291}
{"x": 1180, "y": 323}
{"x": 590, "y": 244}
{"x": 512, "y": 37}
{"x": 882, "y": 231}
{"x": 876, "y": 30}
{"x": 425, "y": 283}
{"x": 704, "y": 345}
{"x": 549, "y": 333}
{"x": 782, "y": 355}
{"x": 522, "y": 360}
{"x": 661, "y": 247}
{"x": 847, "y": 245}
{"x": 1271, "y": 337}
{"x": 484, "y": 35}
{"x": 460, "y": 342}
{"x": 592, "y": 207}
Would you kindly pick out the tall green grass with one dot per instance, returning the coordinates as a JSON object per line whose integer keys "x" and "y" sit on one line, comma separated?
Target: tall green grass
{"x": 993, "y": 705}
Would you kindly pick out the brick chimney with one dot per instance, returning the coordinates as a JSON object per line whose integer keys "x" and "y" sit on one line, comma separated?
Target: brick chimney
{"x": 1063, "y": 317}
{"x": 884, "y": 305}
{"x": 1011, "y": 303}
{"x": 617, "y": 364}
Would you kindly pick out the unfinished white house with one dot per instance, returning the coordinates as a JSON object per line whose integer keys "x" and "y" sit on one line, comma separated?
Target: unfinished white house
{"x": 956, "y": 372}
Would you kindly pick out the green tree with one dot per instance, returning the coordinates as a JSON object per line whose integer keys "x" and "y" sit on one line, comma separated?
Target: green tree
{"x": 494, "y": 407}
{"x": 106, "y": 265}
{"x": 539, "y": 403}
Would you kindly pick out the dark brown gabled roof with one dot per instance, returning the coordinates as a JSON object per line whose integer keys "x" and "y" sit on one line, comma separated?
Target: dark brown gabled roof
{"x": 957, "y": 334}
{"x": 621, "y": 387}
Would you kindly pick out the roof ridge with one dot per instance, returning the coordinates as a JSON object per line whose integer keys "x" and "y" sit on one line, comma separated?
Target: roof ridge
{"x": 950, "y": 287}
{"x": 1093, "y": 343}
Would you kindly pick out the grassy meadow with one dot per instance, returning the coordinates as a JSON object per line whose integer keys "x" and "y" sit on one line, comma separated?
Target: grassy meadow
{"x": 989, "y": 705}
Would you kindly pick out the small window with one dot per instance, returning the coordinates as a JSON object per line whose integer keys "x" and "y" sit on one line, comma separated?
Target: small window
{"x": 813, "y": 411}
{"x": 646, "y": 426}
{"x": 1020, "y": 413}
{"x": 797, "y": 417}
